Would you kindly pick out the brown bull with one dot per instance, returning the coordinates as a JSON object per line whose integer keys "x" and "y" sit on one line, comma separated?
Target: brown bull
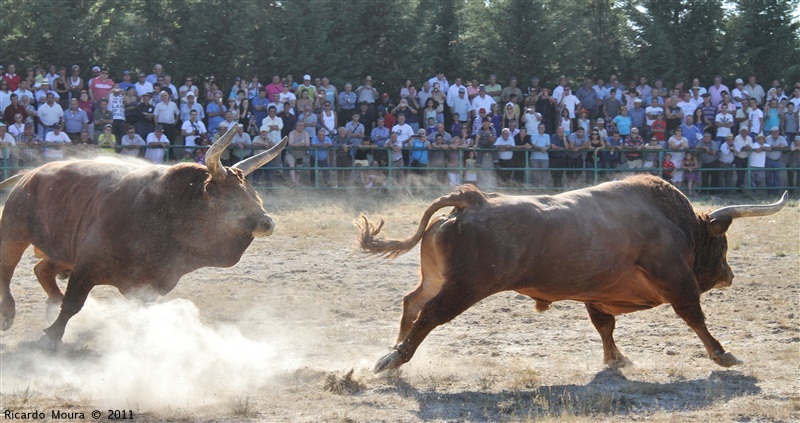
{"x": 129, "y": 225}
{"x": 617, "y": 247}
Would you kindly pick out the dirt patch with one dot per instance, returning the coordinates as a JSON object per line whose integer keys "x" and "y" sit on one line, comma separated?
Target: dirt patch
{"x": 291, "y": 334}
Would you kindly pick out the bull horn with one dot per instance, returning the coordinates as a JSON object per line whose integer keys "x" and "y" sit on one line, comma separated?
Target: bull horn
{"x": 249, "y": 165}
{"x": 751, "y": 210}
{"x": 213, "y": 154}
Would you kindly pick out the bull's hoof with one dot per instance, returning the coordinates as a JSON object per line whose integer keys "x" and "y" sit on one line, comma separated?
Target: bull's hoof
{"x": 6, "y": 322}
{"x": 618, "y": 363}
{"x": 47, "y": 343}
{"x": 390, "y": 361}
{"x": 726, "y": 360}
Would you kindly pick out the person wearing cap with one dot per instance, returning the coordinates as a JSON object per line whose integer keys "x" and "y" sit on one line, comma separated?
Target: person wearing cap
{"x": 157, "y": 142}
{"x": 633, "y": 143}
{"x": 188, "y": 104}
{"x": 739, "y": 94}
{"x": 43, "y": 89}
{"x": 482, "y": 100}
{"x": 638, "y": 115}
{"x": 757, "y": 160}
{"x": 306, "y": 85}
{"x": 461, "y": 105}
{"x": 742, "y": 144}
{"x": 727, "y": 155}
{"x": 55, "y": 143}
{"x": 776, "y": 144}
{"x": 126, "y": 81}
{"x": 367, "y": 93}
{"x": 101, "y": 86}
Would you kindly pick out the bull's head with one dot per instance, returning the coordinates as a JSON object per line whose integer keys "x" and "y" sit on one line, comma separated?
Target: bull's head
{"x": 711, "y": 266}
{"x": 237, "y": 211}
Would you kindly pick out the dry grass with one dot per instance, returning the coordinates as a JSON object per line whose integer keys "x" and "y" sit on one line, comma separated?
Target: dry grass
{"x": 325, "y": 307}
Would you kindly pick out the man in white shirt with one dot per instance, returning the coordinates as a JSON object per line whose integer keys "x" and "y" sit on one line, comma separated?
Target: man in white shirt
{"x": 482, "y": 100}
{"x": 50, "y": 113}
{"x": 193, "y": 130}
{"x": 273, "y": 124}
{"x": 754, "y": 90}
{"x": 724, "y": 123}
{"x": 756, "y": 118}
{"x": 156, "y": 143}
{"x": 55, "y": 142}
{"x": 569, "y": 101}
{"x": 741, "y": 145}
{"x": 142, "y": 86}
{"x": 131, "y": 143}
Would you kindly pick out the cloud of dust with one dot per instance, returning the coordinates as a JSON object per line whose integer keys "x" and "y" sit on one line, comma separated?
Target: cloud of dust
{"x": 119, "y": 354}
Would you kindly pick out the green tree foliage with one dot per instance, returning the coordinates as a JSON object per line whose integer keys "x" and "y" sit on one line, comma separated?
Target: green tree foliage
{"x": 394, "y": 40}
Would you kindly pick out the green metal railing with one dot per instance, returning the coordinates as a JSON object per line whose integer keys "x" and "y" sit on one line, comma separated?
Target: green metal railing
{"x": 344, "y": 175}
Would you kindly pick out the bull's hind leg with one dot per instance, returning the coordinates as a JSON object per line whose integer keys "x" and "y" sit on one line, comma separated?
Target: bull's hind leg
{"x": 429, "y": 286}
{"x": 81, "y": 281}
{"x": 448, "y": 303}
{"x": 46, "y": 271}
{"x": 605, "y": 323}
{"x": 10, "y": 254}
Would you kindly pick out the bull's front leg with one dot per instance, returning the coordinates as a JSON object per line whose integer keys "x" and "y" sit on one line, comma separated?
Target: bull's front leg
{"x": 605, "y": 323}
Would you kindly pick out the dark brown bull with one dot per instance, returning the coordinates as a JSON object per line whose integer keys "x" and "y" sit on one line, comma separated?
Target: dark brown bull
{"x": 137, "y": 227}
{"x": 617, "y": 247}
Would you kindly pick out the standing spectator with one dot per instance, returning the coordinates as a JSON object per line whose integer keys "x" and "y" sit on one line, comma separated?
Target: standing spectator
{"x": 775, "y": 144}
{"x": 116, "y": 103}
{"x": 505, "y": 143}
{"x": 794, "y": 162}
{"x": 101, "y": 117}
{"x": 62, "y": 88}
{"x": 634, "y": 143}
{"x": 545, "y": 105}
{"x": 158, "y": 70}
{"x": 610, "y": 159}
{"x": 716, "y": 90}
{"x": 298, "y": 142}
{"x": 569, "y": 102}
{"x": 55, "y": 144}
{"x": 24, "y": 91}
{"x": 240, "y": 145}
{"x": 75, "y": 82}
{"x": 28, "y": 145}
{"x": 482, "y": 100}
{"x": 638, "y": 115}
{"x": 156, "y": 143}
{"x": 189, "y": 105}
{"x": 622, "y": 123}
{"x": 709, "y": 162}
{"x": 379, "y": 137}
{"x": 194, "y": 131}
{"x": 727, "y": 154}
{"x": 11, "y": 77}
{"x": 678, "y": 144}
{"x": 755, "y": 91}
{"x": 790, "y": 121}
{"x": 505, "y": 94}
{"x": 167, "y": 115}
{"x": 757, "y": 162}
{"x": 126, "y": 83}
{"x": 320, "y": 144}
{"x": 756, "y": 118}
{"x": 13, "y": 109}
{"x": 331, "y": 93}
{"x": 674, "y": 115}
{"x": 5, "y": 94}
{"x": 287, "y": 96}
{"x": 50, "y": 113}
{"x": 558, "y": 157}
{"x": 742, "y": 145}
{"x": 260, "y": 105}
{"x": 442, "y": 81}
{"x": 215, "y": 110}
{"x": 143, "y": 86}
{"x": 539, "y": 159}
{"x": 724, "y": 123}
{"x": 145, "y": 119}
{"x": 739, "y": 94}
{"x": 306, "y": 85}
{"x": 651, "y": 113}
{"x": 687, "y": 106}
{"x": 309, "y": 118}
{"x": 101, "y": 86}
{"x": 709, "y": 114}
{"x": 75, "y": 121}
{"x": 587, "y": 96}
{"x": 187, "y": 88}
{"x": 577, "y": 143}
{"x": 346, "y": 104}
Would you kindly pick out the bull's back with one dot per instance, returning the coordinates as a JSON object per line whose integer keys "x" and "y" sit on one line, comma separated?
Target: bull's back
{"x": 55, "y": 206}
{"x": 565, "y": 246}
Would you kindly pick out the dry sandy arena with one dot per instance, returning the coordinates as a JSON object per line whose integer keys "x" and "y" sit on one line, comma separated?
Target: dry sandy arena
{"x": 290, "y": 334}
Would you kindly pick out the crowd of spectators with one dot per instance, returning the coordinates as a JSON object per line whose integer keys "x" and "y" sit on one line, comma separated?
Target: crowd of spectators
{"x": 459, "y": 131}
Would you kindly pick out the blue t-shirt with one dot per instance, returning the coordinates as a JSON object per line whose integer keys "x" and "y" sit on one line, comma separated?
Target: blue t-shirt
{"x": 623, "y": 124}
{"x": 419, "y": 152}
{"x": 320, "y": 154}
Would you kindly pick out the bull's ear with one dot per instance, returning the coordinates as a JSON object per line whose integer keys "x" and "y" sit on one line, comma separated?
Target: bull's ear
{"x": 719, "y": 225}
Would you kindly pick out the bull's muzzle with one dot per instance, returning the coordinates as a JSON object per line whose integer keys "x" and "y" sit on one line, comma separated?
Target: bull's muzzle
{"x": 264, "y": 228}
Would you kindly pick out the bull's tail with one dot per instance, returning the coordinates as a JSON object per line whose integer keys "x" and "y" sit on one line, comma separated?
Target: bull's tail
{"x": 369, "y": 242}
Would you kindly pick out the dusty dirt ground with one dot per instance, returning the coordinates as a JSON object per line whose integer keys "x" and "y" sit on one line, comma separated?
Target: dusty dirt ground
{"x": 290, "y": 334}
